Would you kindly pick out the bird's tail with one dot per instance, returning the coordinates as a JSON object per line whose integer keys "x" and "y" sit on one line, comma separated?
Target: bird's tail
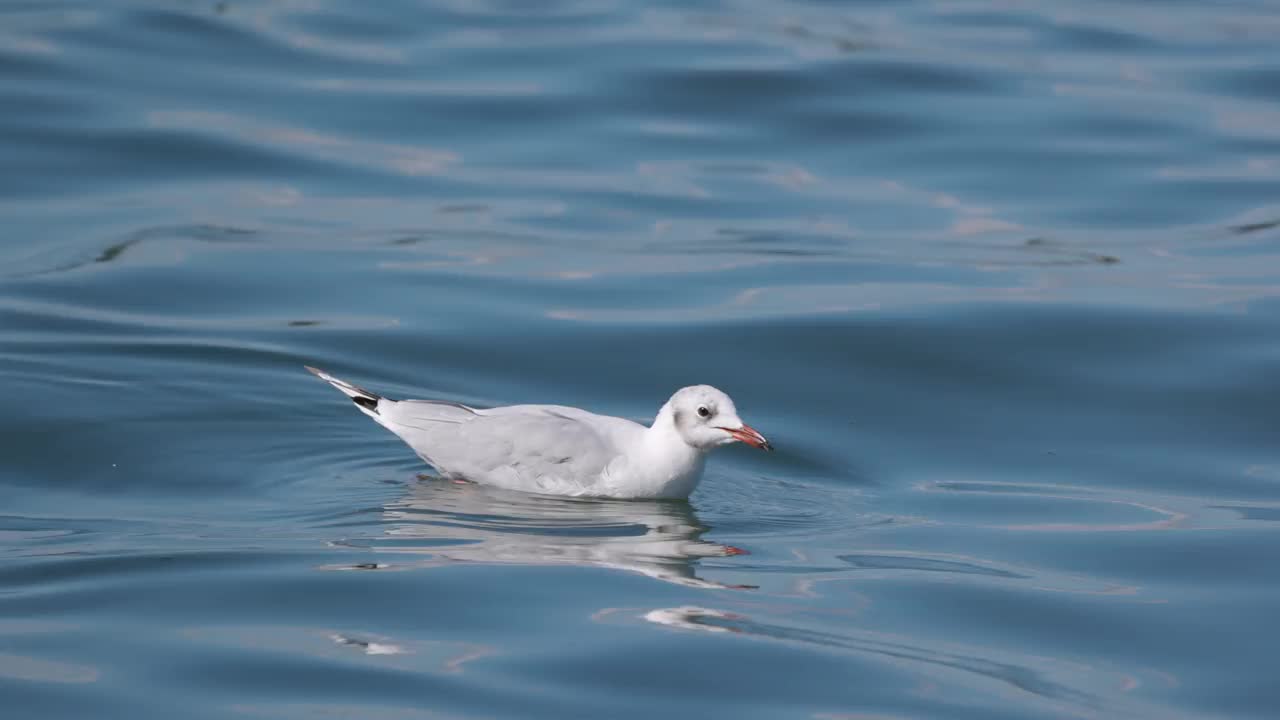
{"x": 365, "y": 400}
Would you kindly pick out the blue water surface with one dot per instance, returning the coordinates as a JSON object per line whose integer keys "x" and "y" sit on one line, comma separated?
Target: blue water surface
{"x": 1000, "y": 281}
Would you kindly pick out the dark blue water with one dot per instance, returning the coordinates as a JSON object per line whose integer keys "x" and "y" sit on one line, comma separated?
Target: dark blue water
{"x": 999, "y": 279}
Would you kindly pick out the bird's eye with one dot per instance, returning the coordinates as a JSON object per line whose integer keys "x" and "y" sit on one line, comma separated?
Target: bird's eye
{"x": 703, "y": 411}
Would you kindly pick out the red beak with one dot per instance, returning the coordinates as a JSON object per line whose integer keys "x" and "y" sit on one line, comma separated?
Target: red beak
{"x": 750, "y": 436}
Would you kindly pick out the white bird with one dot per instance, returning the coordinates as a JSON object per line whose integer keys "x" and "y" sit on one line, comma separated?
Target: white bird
{"x": 560, "y": 450}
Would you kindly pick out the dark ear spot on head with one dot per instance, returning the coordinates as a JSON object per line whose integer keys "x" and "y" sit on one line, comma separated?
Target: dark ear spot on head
{"x": 678, "y": 416}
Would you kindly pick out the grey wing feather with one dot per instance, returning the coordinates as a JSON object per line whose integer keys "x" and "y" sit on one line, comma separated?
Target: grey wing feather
{"x": 514, "y": 449}
{"x": 417, "y": 412}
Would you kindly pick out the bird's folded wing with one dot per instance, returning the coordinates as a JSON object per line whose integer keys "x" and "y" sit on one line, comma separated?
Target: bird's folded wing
{"x": 508, "y": 447}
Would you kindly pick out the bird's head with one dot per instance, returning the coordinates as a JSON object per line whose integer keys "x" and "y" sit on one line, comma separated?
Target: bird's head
{"x": 706, "y": 418}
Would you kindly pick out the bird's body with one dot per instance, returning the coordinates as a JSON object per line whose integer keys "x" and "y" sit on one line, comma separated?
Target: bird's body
{"x": 561, "y": 450}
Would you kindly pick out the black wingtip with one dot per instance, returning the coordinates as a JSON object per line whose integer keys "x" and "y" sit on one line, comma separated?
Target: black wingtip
{"x": 370, "y": 404}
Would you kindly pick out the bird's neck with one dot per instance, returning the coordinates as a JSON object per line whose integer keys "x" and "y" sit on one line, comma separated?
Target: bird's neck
{"x": 664, "y": 433}
{"x": 667, "y": 453}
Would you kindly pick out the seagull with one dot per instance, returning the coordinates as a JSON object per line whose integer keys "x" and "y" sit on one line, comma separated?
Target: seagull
{"x": 559, "y": 450}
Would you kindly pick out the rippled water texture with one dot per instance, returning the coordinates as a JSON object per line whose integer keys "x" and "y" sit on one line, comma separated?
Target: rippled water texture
{"x": 999, "y": 279}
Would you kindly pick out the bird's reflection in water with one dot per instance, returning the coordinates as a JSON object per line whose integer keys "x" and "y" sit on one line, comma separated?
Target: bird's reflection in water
{"x": 449, "y": 522}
